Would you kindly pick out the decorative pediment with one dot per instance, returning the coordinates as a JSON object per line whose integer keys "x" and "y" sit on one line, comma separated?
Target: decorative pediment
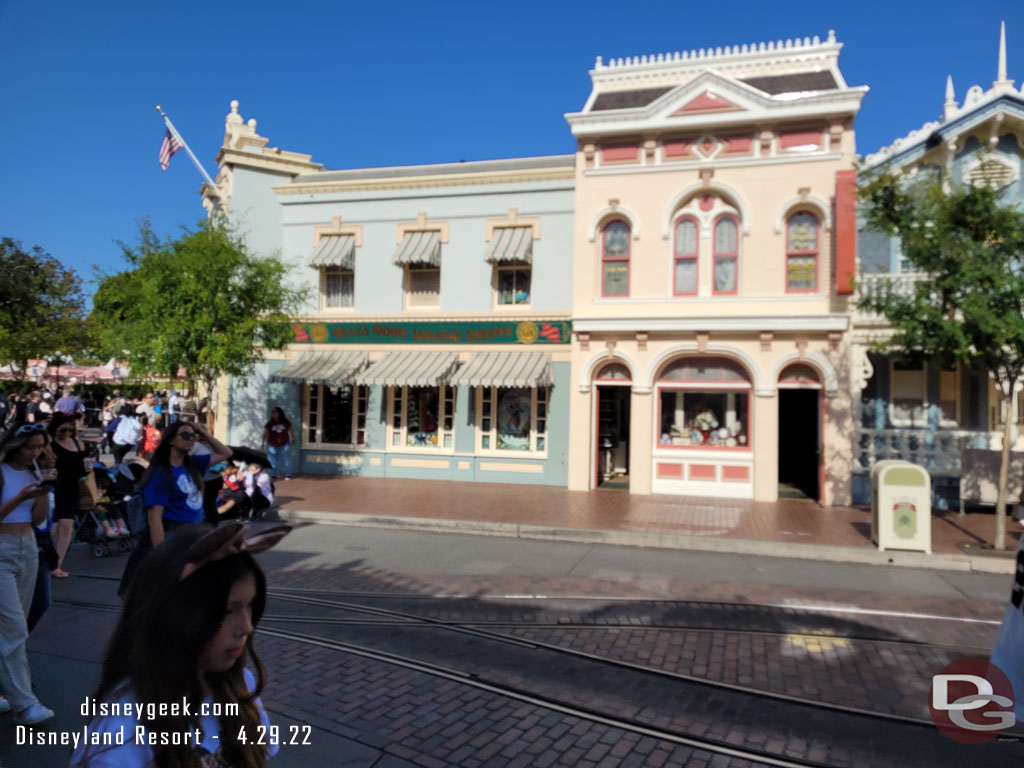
{"x": 706, "y": 102}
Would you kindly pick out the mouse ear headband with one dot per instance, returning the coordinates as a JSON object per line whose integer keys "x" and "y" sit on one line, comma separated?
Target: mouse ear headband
{"x": 231, "y": 539}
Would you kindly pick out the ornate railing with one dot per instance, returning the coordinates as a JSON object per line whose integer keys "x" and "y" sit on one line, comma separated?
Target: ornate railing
{"x": 937, "y": 450}
{"x": 874, "y": 284}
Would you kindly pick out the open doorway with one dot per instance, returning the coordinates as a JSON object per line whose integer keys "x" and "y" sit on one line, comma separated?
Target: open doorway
{"x": 800, "y": 443}
{"x": 612, "y": 459}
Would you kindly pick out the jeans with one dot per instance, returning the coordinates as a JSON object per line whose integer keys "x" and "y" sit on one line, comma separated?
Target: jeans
{"x": 19, "y": 561}
{"x": 41, "y": 594}
{"x": 285, "y": 452}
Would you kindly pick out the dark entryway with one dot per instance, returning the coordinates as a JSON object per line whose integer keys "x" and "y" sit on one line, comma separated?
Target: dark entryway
{"x": 800, "y": 443}
{"x": 613, "y": 437}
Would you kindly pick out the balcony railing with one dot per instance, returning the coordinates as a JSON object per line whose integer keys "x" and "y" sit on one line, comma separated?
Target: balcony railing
{"x": 874, "y": 284}
{"x": 937, "y": 450}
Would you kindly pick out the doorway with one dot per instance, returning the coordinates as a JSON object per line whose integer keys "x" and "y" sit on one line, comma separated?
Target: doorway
{"x": 800, "y": 444}
{"x": 612, "y": 456}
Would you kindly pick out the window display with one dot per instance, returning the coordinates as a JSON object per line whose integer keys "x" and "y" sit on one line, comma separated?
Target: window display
{"x": 421, "y": 415}
{"x": 336, "y": 415}
{"x": 708, "y": 419}
{"x": 514, "y": 419}
{"x": 513, "y": 285}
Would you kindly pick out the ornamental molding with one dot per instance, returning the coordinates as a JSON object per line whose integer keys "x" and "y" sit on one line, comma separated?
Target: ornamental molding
{"x": 336, "y": 228}
{"x": 993, "y": 170}
{"x": 817, "y": 361}
{"x": 422, "y": 224}
{"x": 689, "y": 349}
{"x": 817, "y": 204}
{"x": 513, "y": 220}
{"x": 314, "y": 187}
{"x": 753, "y": 324}
{"x": 727, "y": 193}
{"x": 601, "y": 359}
{"x": 670, "y": 166}
{"x": 615, "y": 209}
{"x": 290, "y": 163}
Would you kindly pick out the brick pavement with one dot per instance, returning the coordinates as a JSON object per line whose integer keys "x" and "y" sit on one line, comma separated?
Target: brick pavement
{"x": 787, "y": 520}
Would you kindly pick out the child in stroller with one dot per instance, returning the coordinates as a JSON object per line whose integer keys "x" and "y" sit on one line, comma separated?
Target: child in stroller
{"x": 103, "y": 525}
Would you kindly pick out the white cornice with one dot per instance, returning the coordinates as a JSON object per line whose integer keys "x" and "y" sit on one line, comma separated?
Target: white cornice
{"x": 439, "y": 180}
{"x": 752, "y": 323}
{"x": 278, "y": 161}
{"x": 689, "y": 165}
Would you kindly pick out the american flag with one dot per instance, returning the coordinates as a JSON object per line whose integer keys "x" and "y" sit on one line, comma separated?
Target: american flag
{"x": 168, "y": 147}
{"x": 551, "y": 333}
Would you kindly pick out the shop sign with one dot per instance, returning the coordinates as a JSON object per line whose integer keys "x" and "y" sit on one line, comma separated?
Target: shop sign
{"x": 441, "y": 332}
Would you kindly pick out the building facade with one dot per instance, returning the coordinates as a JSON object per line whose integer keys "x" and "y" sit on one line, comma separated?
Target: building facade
{"x": 714, "y": 252}
{"x": 921, "y": 412}
{"x": 436, "y": 341}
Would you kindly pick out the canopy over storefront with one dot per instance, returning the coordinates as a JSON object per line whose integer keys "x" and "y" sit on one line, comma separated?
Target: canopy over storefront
{"x": 506, "y": 369}
{"x": 511, "y": 244}
{"x": 334, "y": 251}
{"x": 411, "y": 369}
{"x": 327, "y": 368}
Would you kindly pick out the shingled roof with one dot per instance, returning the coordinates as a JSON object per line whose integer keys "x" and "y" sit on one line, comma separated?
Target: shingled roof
{"x": 627, "y": 99}
{"x": 793, "y": 83}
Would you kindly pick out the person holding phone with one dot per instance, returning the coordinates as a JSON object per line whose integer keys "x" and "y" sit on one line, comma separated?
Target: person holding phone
{"x": 24, "y": 503}
{"x": 172, "y": 488}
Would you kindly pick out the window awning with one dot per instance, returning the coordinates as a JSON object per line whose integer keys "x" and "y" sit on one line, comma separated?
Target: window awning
{"x": 411, "y": 369}
{"x": 511, "y": 244}
{"x": 419, "y": 248}
{"x": 506, "y": 369}
{"x": 327, "y": 368}
{"x": 334, "y": 251}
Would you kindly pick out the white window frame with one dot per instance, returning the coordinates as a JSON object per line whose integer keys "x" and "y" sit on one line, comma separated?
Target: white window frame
{"x": 537, "y": 396}
{"x": 407, "y": 287}
{"x": 311, "y": 432}
{"x": 324, "y": 273}
{"x": 510, "y": 265}
{"x": 925, "y": 403}
{"x": 397, "y": 427}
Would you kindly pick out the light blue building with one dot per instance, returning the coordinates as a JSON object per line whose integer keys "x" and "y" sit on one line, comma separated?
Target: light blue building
{"x": 924, "y": 413}
{"x": 436, "y": 340}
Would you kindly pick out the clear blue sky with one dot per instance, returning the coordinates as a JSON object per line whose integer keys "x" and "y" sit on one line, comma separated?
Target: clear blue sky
{"x": 367, "y": 84}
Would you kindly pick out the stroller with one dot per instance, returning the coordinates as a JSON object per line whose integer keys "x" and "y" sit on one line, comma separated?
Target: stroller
{"x": 118, "y": 500}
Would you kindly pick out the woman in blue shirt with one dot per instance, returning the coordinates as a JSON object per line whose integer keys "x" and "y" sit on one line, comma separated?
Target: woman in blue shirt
{"x": 172, "y": 488}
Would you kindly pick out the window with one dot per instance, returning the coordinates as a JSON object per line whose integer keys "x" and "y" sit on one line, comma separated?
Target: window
{"x": 512, "y": 419}
{"x": 685, "y": 265}
{"x": 615, "y": 259}
{"x": 704, "y": 402}
{"x": 802, "y": 253}
{"x": 335, "y": 416}
{"x": 726, "y": 254}
{"x": 422, "y": 417}
{"x": 423, "y": 286}
{"x": 949, "y": 400}
{"x": 909, "y": 392}
{"x": 513, "y": 284}
{"x": 339, "y": 287}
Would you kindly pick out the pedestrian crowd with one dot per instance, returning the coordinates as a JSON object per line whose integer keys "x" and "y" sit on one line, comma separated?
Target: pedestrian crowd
{"x": 182, "y": 571}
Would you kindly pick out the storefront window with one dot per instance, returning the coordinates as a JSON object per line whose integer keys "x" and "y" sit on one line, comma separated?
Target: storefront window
{"x": 336, "y": 415}
{"x": 512, "y": 419}
{"x": 422, "y": 417}
{"x": 704, "y": 402}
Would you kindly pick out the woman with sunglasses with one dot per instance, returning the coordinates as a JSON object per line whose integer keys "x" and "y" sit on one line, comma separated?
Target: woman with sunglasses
{"x": 23, "y": 504}
{"x": 172, "y": 488}
{"x": 71, "y": 468}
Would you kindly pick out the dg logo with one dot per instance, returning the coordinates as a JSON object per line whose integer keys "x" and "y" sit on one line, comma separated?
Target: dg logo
{"x": 971, "y": 701}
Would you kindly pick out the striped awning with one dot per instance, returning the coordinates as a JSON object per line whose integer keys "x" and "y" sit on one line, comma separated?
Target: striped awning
{"x": 505, "y": 369}
{"x": 327, "y": 368}
{"x": 511, "y": 244}
{"x": 419, "y": 248}
{"x": 334, "y": 251}
{"x": 411, "y": 369}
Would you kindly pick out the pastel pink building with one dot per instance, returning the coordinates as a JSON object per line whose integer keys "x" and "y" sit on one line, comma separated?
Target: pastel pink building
{"x": 714, "y": 254}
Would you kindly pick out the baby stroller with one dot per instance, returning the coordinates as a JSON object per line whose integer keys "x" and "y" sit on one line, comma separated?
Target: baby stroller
{"x": 117, "y": 496}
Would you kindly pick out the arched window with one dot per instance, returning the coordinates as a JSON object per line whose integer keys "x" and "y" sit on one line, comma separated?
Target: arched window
{"x": 615, "y": 259}
{"x": 704, "y": 402}
{"x": 684, "y": 280}
{"x": 614, "y": 372}
{"x": 726, "y": 254}
{"x": 799, "y": 376}
{"x": 802, "y": 247}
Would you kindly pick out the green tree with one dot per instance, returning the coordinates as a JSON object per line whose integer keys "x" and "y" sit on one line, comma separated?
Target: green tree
{"x": 202, "y": 301}
{"x": 42, "y": 308}
{"x": 972, "y": 306}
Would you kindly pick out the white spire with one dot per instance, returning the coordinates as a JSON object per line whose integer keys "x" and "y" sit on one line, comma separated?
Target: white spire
{"x": 1002, "y": 83}
{"x": 949, "y": 108}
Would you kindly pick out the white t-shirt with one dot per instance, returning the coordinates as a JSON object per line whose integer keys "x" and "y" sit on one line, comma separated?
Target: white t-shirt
{"x": 14, "y": 481}
{"x": 1008, "y": 652}
{"x": 140, "y": 755}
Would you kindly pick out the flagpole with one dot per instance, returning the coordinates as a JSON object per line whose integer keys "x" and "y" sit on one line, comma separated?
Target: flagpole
{"x": 195, "y": 160}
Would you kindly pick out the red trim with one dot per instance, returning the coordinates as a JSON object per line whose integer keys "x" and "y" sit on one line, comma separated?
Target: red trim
{"x": 605, "y": 258}
{"x": 846, "y": 231}
{"x": 821, "y": 454}
{"x": 702, "y": 471}
{"x": 677, "y": 257}
{"x": 726, "y": 255}
{"x": 800, "y": 139}
{"x": 619, "y": 154}
{"x": 736, "y": 474}
{"x": 705, "y": 386}
{"x": 735, "y": 145}
{"x": 675, "y": 149}
{"x": 706, "y": 102}
{"x": 670, "y": 470}
{"x": 597, "y": 440}
{"x": 815, "y": 253}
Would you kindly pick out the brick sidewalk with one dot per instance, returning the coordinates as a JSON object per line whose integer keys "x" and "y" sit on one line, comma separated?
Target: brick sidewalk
{"x": 787, "y": 520}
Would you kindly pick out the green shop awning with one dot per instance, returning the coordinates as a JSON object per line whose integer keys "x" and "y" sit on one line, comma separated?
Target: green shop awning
{"x": 327, "y": 368}
{"x": 505, "y": 369}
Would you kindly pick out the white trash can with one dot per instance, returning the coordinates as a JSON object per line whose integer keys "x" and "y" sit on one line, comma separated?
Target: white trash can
{"x": 901, "y": 506}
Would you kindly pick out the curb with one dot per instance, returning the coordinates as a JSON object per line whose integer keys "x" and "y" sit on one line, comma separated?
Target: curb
{"x": 821, "y": 552}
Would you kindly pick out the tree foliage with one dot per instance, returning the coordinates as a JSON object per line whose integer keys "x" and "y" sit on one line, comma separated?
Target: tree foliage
{"x": 971, "y": 307}
{"x": 42, "y": 309}
{"x": 201, "y": 301}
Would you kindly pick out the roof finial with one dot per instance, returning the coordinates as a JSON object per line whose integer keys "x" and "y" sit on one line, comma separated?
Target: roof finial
{"x": 949, "y": 108}
{"x": 1002, "y": 83}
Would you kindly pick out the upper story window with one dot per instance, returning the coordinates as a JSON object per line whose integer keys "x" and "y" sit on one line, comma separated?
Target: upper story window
{"x": 419, "y": 253}
{"x": 338, "y": 288}
{"x": 684, "y": 272}
{"x": 513, "y": 284}
{"x": 422, "y": 286}
{"x": 802, "y": 249}
{"x": 615, "y": 259}
{"x": 511, "y": 252}
{"x": 726, "y": 254}
{"x": 334, "y": 257}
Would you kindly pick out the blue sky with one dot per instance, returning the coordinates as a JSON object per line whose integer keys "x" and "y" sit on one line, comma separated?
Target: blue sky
{"x": 368, "y": 84}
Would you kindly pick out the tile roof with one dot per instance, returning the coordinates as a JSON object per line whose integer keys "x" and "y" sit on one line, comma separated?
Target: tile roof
{"x": 627, "y": 99}
{"x": 793, "y": 83}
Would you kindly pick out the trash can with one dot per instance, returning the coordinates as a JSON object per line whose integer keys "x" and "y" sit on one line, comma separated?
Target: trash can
{"x": 901, "y": 506}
